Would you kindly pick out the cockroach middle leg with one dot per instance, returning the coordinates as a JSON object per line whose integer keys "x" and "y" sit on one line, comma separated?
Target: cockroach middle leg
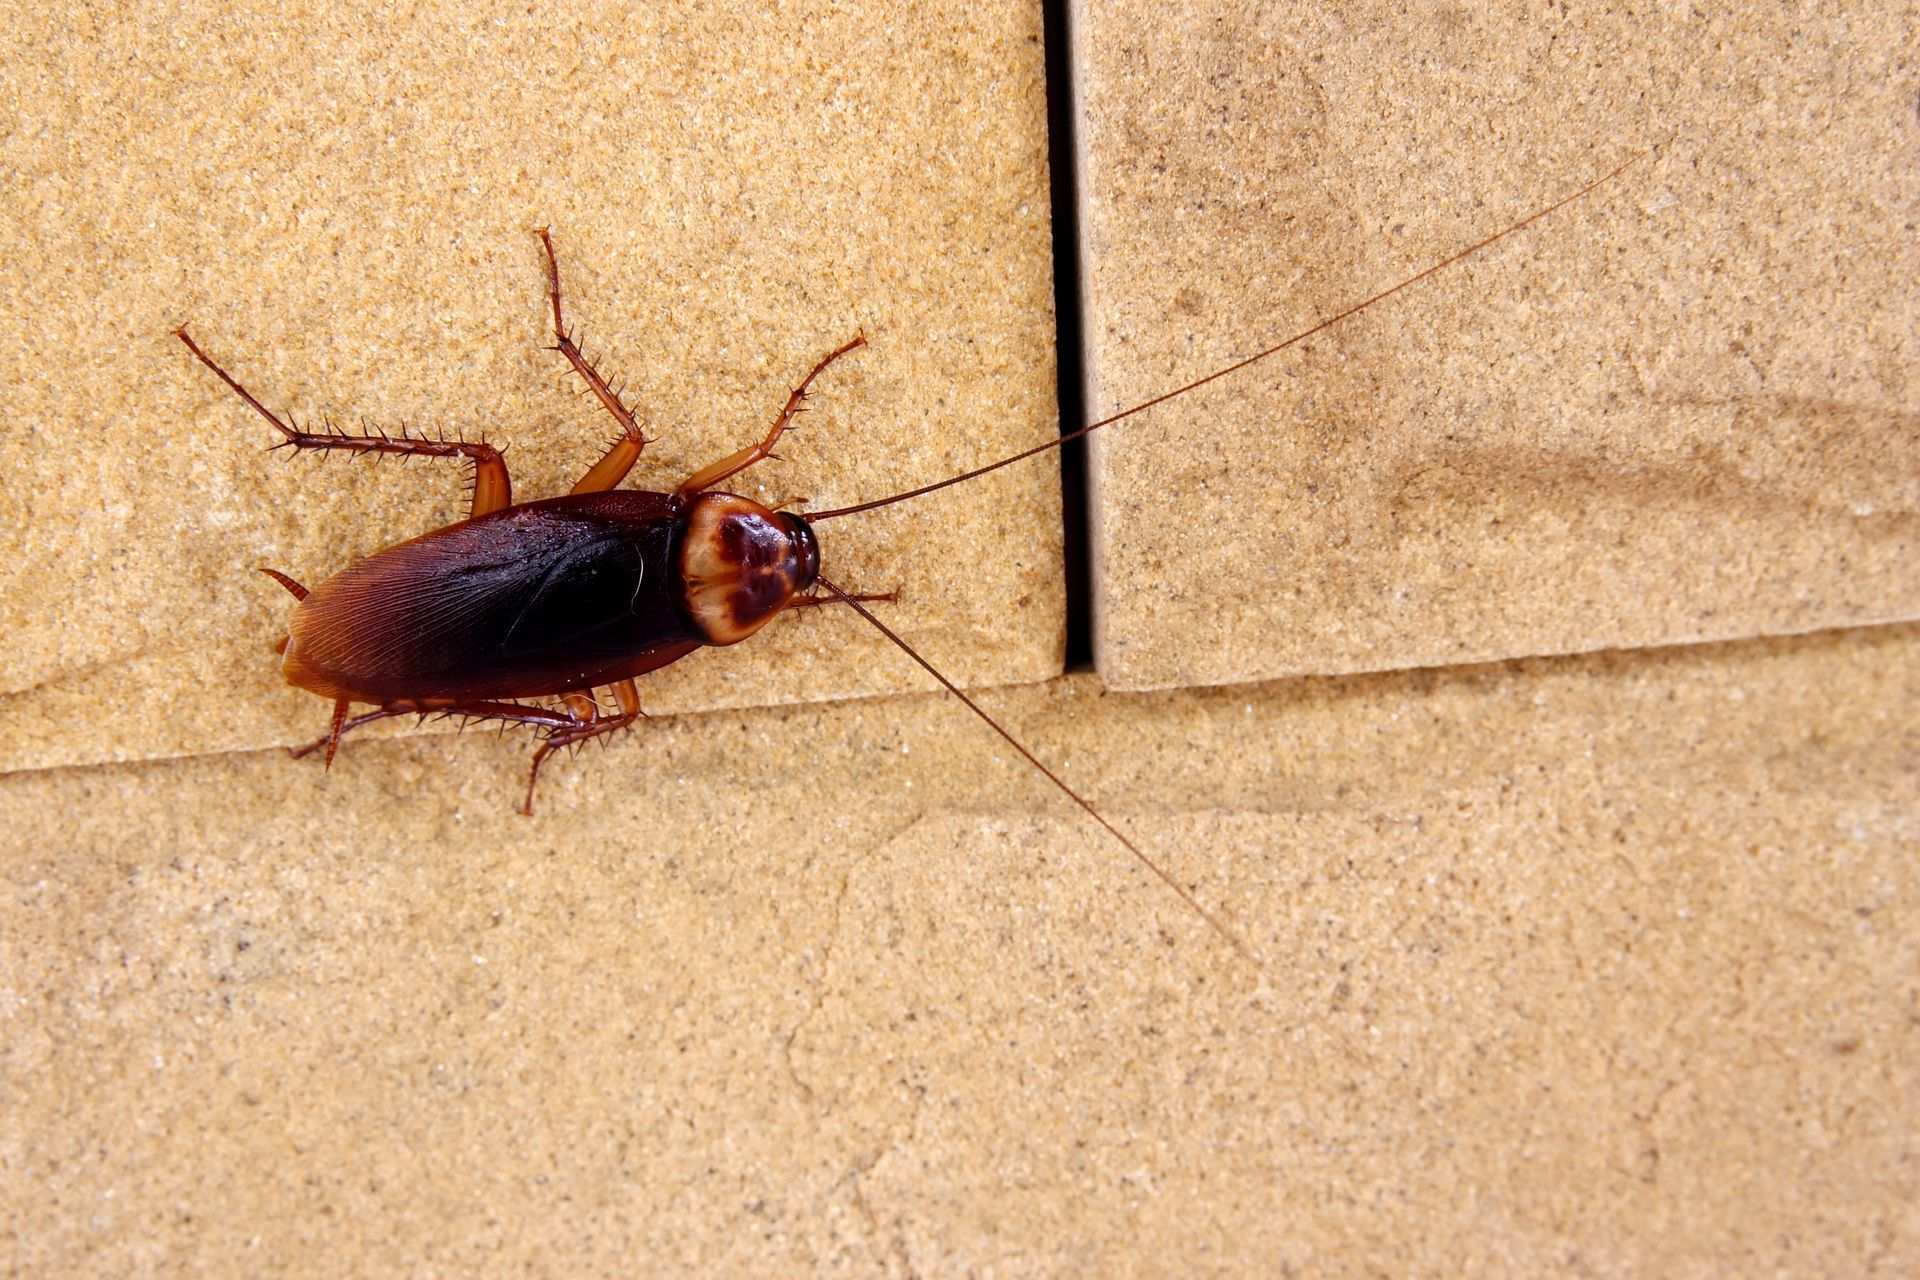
{"x": 492, "y": 487}
{"x": 709, "y": 476}
{"x": 587, "y": 725}
{"x": 625, "y": 449}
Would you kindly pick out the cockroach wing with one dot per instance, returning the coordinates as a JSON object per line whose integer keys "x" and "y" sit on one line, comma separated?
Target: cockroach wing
{"x": 537, "y": 599}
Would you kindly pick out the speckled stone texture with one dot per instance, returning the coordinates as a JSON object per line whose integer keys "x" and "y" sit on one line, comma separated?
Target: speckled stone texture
{"x": 343, "y": 204}
{"x": 1601, "y": 965}
{"x": 1585, "y": 966}
{"x": 1682, "y": 409}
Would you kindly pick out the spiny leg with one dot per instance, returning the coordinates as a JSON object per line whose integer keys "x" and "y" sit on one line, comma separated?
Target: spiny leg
{"x": 297, "y": 591}
{"x": 625, "y": 449}
{"x": 506, "y": 712}
{"x": 580, "y": 730}
{"x": 492, "y": 488}
{"x": 580, "y": 721}
{"x": 337, "y": 727}
{"x": 347, "y": 726}
{"x": 815, "y": 601}
{"x": 709, "y": 476}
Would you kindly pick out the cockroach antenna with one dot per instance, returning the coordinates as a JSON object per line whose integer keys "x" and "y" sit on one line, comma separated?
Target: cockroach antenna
{"x": 1220, "y": 928}
{"x": 814, "y": 517}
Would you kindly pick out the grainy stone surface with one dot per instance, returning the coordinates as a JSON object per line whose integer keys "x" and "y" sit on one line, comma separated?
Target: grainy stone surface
{"x": 1683, "y": 409}
{"x": 343, "y": 204}
{"x": 1585, "y": 966}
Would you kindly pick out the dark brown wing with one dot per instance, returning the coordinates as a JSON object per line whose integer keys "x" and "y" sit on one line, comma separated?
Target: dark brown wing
{"x": 536, "y": 599}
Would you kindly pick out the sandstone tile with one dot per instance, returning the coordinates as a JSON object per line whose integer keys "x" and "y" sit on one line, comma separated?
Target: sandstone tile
{"x": 1683, "y": 409}
{"x": 1602, "y": 964}
{"x": 342, "y": 202}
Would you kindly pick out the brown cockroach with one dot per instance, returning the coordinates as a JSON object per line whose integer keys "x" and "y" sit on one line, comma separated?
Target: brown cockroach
{"x": 553, "y": 598}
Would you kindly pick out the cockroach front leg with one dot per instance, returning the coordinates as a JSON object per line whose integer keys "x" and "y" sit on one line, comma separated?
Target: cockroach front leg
{"x": 625, "y": 449}
{"x": 707, "y": 477}
{"x": 815, "y": 601}
{"x": 492, "y": 488}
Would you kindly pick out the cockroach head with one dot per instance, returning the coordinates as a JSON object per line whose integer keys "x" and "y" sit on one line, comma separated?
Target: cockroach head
{"x": 741, "y": 565}
{"x": 806, "y": 549}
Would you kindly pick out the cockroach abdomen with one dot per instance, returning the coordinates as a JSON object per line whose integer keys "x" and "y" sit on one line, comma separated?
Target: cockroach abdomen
{"x": 546, "y": 596}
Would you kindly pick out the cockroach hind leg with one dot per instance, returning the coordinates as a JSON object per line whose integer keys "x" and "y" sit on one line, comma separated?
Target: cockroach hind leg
{"x": 493, "y": 489}
{"x": 331, "y": 738}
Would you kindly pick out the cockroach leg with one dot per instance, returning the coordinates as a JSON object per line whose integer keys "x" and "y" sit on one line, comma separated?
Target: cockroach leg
{"x": 492, "y": 487}
{"x": 709, "y": 476}
{"x": 625, "y": 449}
{"x": 815, "y": 601}
{"x": 505, "y": 712}
{"x": 352, "y": 723}
{"x": 593, "y": 725}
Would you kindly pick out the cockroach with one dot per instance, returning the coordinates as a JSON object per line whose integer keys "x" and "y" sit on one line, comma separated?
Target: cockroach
{"x": 551, "y": 599}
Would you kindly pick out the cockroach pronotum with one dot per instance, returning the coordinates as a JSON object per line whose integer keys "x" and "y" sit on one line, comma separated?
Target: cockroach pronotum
{"x": 553, "y": 598}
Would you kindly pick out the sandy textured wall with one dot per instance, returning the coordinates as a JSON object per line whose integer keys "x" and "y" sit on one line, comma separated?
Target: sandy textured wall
{"x": 1569, "y": 965}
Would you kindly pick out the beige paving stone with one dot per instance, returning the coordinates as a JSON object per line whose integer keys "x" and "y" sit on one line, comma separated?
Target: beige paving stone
{"x": 1684, "y": 408}
{"x": 1587, "y": 966}
{"x": 342, "y": 200}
